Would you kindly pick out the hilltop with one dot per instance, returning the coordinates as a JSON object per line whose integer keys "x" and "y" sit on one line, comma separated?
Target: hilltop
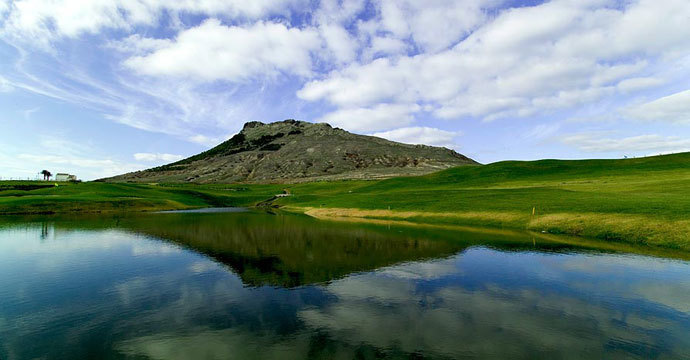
{"x": 298, "y": 151}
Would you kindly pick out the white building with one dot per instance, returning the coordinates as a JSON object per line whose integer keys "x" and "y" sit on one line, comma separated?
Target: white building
{"x": 65, "y": 177}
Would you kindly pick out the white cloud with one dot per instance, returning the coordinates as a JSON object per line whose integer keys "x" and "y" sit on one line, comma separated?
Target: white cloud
{"x": 358, "y": 85}
{"x": 527, "y": 60}
{"x": 157, "y": 157}
{"x": 45, "y": 20}
{"x": 41, "y": 20}
{"x": 166, "y": 105}
{"x": 674, "y": 108}
{"x": 454, "y": 59}
{"x": 331, "y": 19}
{"x": 204, "y": 140}
{"x": 136, "y": 44}
{"x": 421, "y": 135}
{"x": 393, "y": 18}
{"x": 433, "y": 25}
{"x": 379, "y": 117}
{"x": 639, "y": 83}
{"x": 382, "y": 45}
{"x": 599, "y": 143}
{"x": 5, "y": 85}
{"x": 212, "y": 51}
{"x": 339, "y": 41}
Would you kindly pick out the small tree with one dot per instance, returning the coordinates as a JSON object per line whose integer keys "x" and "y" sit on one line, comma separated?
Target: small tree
{"x": 46, "y": 175}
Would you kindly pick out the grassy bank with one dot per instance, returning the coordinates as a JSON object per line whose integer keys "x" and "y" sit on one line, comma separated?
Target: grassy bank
{"x": 644, "y": 201}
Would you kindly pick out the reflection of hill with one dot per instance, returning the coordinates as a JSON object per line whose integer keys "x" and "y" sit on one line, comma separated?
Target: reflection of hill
{"x": 291, "y": 250}
{"x": 288, "y": 250}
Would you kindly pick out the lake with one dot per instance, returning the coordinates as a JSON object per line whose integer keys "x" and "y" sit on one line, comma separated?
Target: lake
{"x": 253, "y": 285}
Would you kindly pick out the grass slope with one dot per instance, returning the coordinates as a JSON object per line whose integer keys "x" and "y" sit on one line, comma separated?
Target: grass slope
{"x": 635, "y": 200}
{"x": 645, "y": 200}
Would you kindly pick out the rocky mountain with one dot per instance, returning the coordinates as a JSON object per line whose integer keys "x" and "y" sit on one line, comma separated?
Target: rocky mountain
{"x": 297, "y": 151}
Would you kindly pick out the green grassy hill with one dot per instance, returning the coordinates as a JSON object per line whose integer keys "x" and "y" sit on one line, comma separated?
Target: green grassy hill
{"x": 645, "y": 200}
{"x": 658, "y": 185}
{"x": 637, "y": 200}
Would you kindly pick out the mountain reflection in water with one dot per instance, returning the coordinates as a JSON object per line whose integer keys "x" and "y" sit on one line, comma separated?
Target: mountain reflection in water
{"x": 251, "y": 285}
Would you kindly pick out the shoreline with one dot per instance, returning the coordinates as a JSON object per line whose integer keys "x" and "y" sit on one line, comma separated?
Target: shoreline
{"x": 607, "y": 227}
{"x": 616, "y": 229}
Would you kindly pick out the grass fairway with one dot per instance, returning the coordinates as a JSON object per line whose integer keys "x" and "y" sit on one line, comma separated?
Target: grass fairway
{"x": 645, "y": 200}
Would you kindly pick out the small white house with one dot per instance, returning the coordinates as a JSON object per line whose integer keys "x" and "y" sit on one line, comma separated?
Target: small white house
{"x": 65, "y": 177}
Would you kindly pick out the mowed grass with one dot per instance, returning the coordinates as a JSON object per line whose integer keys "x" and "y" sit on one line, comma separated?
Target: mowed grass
{"x": 644, "y": 200}
{"x": 108, "y": 197}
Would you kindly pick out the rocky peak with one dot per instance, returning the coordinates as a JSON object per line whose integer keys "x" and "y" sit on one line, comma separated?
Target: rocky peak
{"x": 293, "y": 150}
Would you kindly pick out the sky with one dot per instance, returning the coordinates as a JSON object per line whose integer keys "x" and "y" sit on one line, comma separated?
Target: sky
{"x": 102, "y": 87}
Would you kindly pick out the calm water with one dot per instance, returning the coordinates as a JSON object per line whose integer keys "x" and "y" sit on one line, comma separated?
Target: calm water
{"x": 248, "y": 285}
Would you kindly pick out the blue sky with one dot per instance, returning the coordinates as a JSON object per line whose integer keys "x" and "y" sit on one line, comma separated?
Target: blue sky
{"x": 102, "y": 87}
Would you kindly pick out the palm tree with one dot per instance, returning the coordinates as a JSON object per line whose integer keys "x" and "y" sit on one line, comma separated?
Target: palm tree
{"x": 46, "y": 175}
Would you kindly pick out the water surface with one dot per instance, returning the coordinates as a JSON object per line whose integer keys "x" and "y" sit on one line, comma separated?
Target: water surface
{"x": 253, "y": 285}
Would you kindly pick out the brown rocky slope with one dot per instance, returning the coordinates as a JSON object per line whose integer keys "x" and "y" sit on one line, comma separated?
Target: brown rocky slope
{"x": 297, "y": 151}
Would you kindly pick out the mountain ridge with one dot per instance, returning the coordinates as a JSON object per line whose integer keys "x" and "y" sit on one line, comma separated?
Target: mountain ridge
{"x": 297, "y": 151}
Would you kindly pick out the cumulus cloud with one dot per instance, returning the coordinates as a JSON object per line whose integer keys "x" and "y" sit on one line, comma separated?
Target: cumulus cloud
{"x": 383, "y": 45}
{"x": 214, "y": 51}
{"x": 379, "y": 117}
{"x": 44, "y": 20}
{"x": 600, "y": 143}
{"x": 332, "y": 19}
{"x": 339, "y": 41}
{"x": 150, "y": 157}
{"x": 421, "y": 135}
{"x": 525, "y": 61}
{"x": 433, "y": 25}
{"x": 373, "y": 64}
{"x": 674, "y": 108}
{"x": 357, "y": 85}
